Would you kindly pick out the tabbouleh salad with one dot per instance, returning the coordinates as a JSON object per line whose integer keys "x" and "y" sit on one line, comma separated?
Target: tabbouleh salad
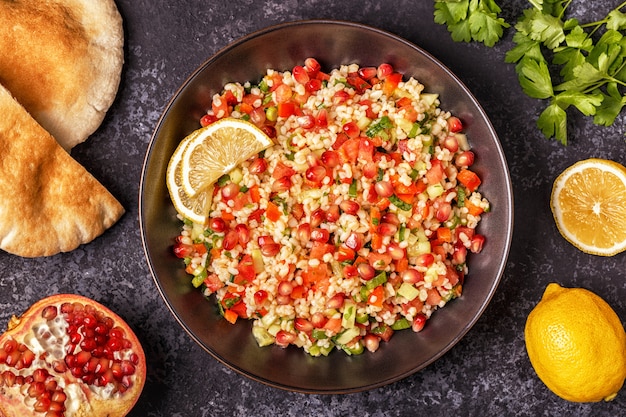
{"x": 356, "y": 224}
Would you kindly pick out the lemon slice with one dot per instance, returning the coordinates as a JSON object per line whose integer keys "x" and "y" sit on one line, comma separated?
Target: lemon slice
{"x": 194, "y": 208}
{"x": 589, "y": 205}
{"x": 216, "y": 149}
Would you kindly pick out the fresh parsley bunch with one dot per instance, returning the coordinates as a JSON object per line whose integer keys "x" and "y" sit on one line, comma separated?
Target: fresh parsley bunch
{"x": 568, "y": 63}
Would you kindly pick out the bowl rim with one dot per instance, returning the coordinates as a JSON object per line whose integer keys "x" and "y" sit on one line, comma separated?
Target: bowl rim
{"x": 500, "y": 153}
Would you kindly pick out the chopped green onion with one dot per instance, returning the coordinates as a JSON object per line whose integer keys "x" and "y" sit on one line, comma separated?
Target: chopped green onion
{"x": 379, "y": 279}
{"x": 352, "y": 189}
{"x": 378, "y": 126}
{"x": 223, "y": 180}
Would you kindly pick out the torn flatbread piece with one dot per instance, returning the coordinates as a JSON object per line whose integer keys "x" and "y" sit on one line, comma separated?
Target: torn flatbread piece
{"x": 49, "y": 203}
{"x": 62, "y": 60}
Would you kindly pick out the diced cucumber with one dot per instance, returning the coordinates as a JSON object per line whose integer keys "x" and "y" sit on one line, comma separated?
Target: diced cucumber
{"x": 257, "y": 261}
{"x": 268, "y": 319}
{"x": 404, "y": 124}
{"x": 429, "y": 98}
{"x": 408, "y": 291}
{"x": 434, "y": 191}
{"x": 199, "y": 275}
{"x": 262, "y": 336}
{"x": 319, "y": 334}
{"x": 401, "y": 324}
{"x": 431, "y": 275}
{"x": 347, "y": 336}
{"x": 419, "y": 248}
{"x": 197, "y": 230}
{"x": 349, "y": 315}
{"x": 236, "y": 175}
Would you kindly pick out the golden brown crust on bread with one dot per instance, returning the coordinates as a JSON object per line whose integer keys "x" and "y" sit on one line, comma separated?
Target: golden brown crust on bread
{"x": 49, "y": 203}
{"x": 62, "y": 60}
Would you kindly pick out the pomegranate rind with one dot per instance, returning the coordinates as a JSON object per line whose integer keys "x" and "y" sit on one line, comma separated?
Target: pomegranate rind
{"x": 12, "y": 398}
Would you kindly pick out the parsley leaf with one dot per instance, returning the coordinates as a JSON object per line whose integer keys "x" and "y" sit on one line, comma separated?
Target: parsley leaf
{"x": 471, "y": 20}
{"x": 553, "y": 123}
{"x": 534, "y": 77}
{"x": 611, "y": 106}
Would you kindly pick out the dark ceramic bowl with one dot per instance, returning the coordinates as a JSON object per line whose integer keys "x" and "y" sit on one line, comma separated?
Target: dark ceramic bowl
{"x": 332, "y": 43}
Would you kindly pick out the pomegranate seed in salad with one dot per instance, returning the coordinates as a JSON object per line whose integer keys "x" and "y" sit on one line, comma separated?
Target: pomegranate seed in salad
{"x": 359, "y": 221}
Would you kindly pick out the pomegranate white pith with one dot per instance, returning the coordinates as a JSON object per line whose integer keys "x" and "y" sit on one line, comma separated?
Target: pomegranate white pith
{"x": 69, "y": 356}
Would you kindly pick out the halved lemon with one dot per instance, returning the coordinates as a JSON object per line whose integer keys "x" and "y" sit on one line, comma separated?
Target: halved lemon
{"x": 588, "y": 202}
{"x": 216, "y": 149}
{"x": 194, "y": 208}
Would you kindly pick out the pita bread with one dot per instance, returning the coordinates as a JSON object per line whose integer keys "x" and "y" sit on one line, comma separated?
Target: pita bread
{"x": 62, "y": 60}
{"x": 48, "y": 202}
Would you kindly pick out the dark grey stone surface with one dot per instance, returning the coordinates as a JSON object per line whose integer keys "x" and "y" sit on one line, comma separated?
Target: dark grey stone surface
{"x": 486, "y": 374}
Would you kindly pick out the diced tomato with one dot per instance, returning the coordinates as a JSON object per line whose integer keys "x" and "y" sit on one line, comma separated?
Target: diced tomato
{"x": 401, "y": 188}
{"x": 349, "y": 150}
{"x": 473, "y": 209}
{"x": 319, "y": 249}
{"x": 230, "y": 316}
{"x": 469, "y": 179}
{"x": 467, "y": 231}
{"x": 282, "y": 170}
{"x": 213, "y": 283}
{"x": 241, "y": 201}
{"x": 403, "y": 102}
{"x": 433, "y": 297}
{"x": 341, "y": 138}
{"x": 366, "y": 149}
{"x": 230, "y": 98}
{"x": 359, "y": 84}
{"x": 385, "y": 332}
{"x": 435, "y": 174}
{"x": 256, "y": 215}
{"x": 344, "y": 253}
{"x": 376, "y": 297}
{"x": 368, "y": 112}
{"x": 402, "y": 265}
{"x": 333, "y": 325}
{"x": 272, "y": 212}
{"x": 379, "y": 260}
{"x": 391, "y": 83}
{"x": 315, "y": 273}
{"x": 240, "y": 309}
{"x": 228, "y": 216}
{"x": 452, "y": 275}
{"x": 282, "y": 94}
{"x": 407, "y": 198}
{"x": 286, "y": 109}
{"x": 246, "y": 108}
{"x": 444, "y": 234}
{"x": 298, "y": 292}
{"x": 255, "y": 195}
{"x": 246, "y": 271}
{"x": 220, "y": 107}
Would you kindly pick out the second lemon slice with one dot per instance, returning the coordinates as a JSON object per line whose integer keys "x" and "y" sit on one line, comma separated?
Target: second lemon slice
{"x": 589, "y": 206}
{"x": 194, "y": 208}
{"x": 216, "y": 149}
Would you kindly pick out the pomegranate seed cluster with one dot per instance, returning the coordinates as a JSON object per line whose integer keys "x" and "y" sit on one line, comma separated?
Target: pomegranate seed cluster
{"x": 356, "y": 224}
{"x": 70, "y": 339}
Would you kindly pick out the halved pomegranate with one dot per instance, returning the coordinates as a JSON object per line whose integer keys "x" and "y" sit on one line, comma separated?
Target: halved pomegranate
{"x": 68, "y": 355}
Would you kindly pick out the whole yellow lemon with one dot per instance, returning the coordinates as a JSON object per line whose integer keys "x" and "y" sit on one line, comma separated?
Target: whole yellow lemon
{"x": 577, "y": 345}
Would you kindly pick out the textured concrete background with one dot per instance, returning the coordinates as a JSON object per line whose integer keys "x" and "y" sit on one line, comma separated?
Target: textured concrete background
{"x": 486, "y": 374}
